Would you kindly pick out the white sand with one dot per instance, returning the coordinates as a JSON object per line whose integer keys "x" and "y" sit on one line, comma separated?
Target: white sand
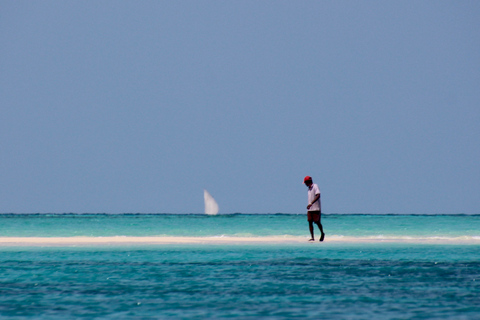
{"x": 121, "y": 240}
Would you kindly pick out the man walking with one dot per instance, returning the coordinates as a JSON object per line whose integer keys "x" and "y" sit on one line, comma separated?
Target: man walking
{"x": 314, "y": 207}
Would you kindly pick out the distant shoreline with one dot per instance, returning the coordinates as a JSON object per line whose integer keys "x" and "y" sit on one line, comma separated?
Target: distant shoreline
{"x": 4, "y": 214}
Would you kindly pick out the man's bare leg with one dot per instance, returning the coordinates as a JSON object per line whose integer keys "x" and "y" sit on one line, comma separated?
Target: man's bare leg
{"x": 310, "y": 226}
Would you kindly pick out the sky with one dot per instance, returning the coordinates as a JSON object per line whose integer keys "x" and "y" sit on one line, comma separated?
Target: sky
{"x": 137, "y": 107}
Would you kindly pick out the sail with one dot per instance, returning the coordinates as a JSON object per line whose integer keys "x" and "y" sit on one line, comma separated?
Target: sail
{"x": 211, "y": 206}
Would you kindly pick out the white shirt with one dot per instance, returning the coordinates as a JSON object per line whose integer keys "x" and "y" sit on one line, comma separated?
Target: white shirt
{"x": 313, "y": 190}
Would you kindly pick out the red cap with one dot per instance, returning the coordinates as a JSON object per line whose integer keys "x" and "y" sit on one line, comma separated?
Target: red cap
{"x": 307, "y": 178}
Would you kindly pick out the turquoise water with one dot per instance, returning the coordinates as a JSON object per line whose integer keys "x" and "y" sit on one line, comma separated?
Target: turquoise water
{"x": 336, "y": 280}
{"x": 243, "y": 225}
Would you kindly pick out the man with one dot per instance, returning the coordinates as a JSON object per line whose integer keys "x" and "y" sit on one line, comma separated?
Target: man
{"x": 314, "y": 207}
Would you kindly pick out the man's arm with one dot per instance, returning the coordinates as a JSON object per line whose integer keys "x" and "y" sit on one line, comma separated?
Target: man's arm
{"x": 317, "y": 196}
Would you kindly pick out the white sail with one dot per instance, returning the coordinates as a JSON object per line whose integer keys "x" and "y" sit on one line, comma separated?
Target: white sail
{"x": 211, "y": 206}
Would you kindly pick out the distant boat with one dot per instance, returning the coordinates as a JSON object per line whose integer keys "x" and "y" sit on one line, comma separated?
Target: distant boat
{"x": 211, "y": 206}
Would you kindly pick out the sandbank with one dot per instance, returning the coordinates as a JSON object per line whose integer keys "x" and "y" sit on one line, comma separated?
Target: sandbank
{"x": 229, "y": 240}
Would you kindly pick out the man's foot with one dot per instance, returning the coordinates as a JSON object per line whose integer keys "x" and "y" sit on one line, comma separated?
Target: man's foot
{"x": 311, "y": 239}
{"x": 322, "y": 237}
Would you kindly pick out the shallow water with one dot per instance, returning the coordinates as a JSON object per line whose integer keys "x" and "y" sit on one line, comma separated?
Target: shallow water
{"x": 402, "y": 279}
{"x": 240, "y": 225}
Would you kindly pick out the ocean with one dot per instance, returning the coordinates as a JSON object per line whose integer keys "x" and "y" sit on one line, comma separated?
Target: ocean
{"x": 243, "y": 266}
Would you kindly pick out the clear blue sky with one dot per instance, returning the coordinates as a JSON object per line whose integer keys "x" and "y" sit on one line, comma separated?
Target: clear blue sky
{"x": 127, "y": 106}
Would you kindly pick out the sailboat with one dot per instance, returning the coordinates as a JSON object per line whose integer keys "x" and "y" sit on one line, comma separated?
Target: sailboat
{"x": 211, "y": 206}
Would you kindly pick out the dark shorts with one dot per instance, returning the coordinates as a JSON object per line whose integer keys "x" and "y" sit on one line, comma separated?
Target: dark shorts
{"x": 313, "y": 216}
